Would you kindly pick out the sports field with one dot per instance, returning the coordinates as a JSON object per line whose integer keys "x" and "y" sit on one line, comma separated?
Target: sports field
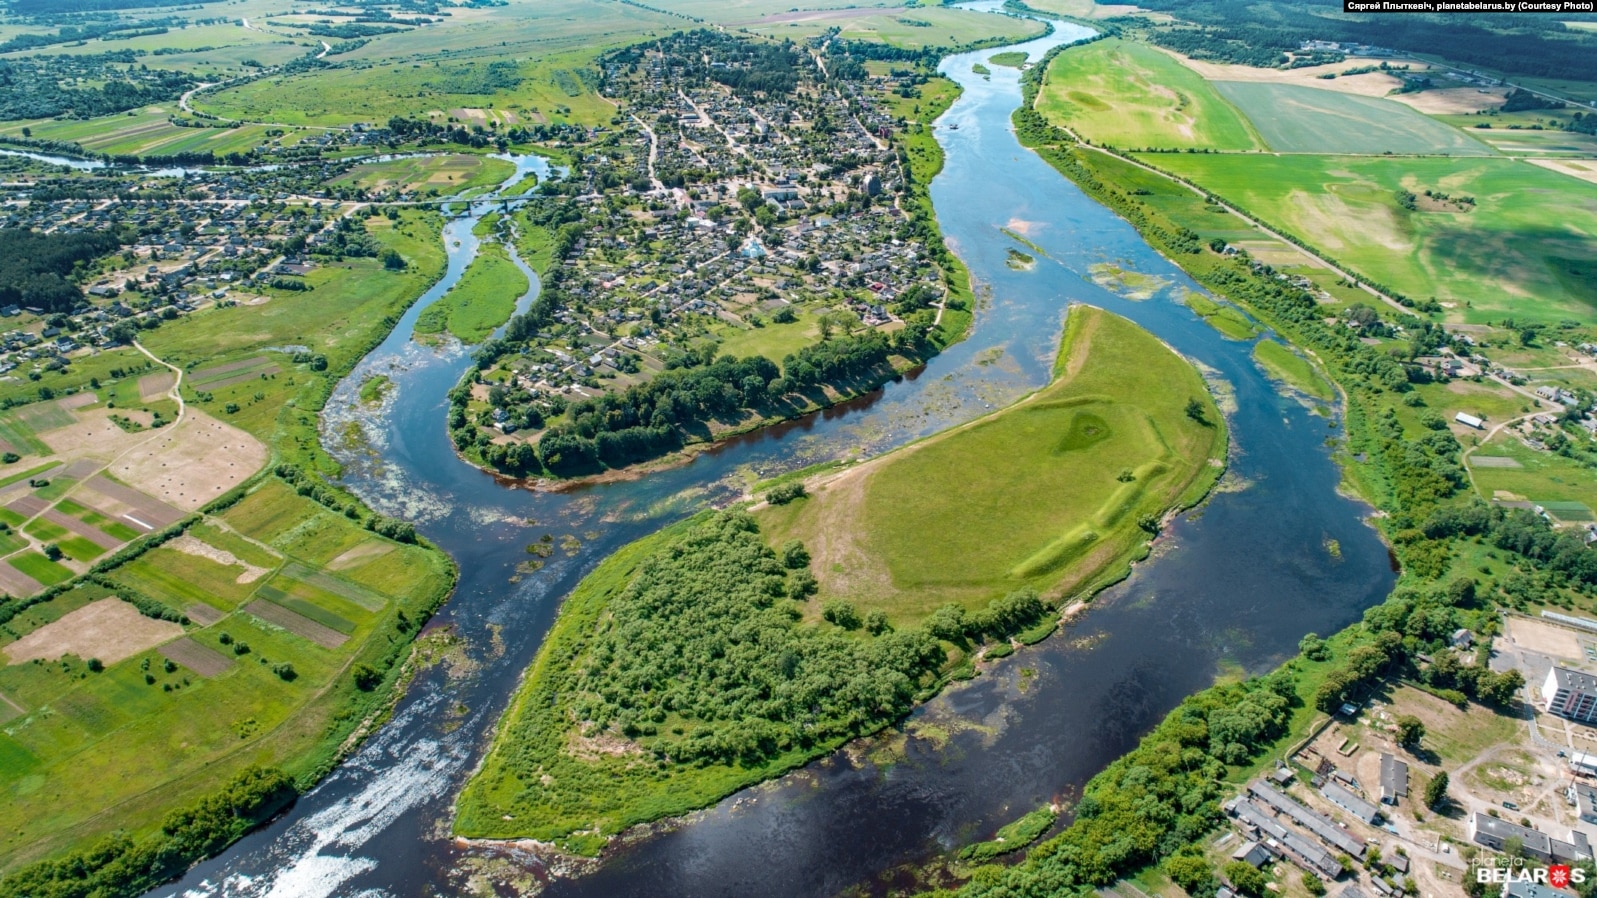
{"x": 1297, "y": 119}
{"x": 1527, "y": 249}
{"x": 1128, "y": 94}
{"x": 1064, "y": 476}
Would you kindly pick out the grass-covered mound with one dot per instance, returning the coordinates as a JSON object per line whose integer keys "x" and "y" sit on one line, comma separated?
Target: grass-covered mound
{"x": 679, "y": 672}
{"x": 1050, "y": 494}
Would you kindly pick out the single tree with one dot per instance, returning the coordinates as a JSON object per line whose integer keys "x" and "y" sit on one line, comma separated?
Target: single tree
{"x": 1195, "y": 411}
{"x": 1436, "y": 792}
{"x": 1410, "y": 730}
{"x": 1246, "y": 878}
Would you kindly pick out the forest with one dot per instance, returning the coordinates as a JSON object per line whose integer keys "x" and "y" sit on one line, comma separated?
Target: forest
{"x": 703, "y": 658}
{"x": 34, "y": 267}
{"x": 32, "y": 87}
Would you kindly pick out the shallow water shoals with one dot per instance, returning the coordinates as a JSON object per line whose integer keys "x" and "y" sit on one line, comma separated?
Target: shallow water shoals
{"x": 1233, "y": 585}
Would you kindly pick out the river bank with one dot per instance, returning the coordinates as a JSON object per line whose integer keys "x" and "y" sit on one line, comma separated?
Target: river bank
{"x": 1104, "y": 415}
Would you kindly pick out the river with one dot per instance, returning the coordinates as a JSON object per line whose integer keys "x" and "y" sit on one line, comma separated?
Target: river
{"x": 1232, "y": 586}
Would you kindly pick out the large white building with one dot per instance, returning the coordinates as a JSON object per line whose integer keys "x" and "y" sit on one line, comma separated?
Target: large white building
{"x": 1570, "y": 693}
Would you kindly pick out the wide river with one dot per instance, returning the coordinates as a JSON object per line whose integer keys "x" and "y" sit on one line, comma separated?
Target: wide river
{"x": 1233, "y": 586}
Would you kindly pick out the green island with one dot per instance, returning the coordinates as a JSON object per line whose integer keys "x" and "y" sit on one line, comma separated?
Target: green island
{"x": 1292, "y": 369}
{"x": 483, "y": 299}
{"x": 841, "y": 622}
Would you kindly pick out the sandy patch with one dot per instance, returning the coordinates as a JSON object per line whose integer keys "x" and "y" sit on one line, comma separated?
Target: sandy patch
{"x": 1453, "y": 100}
{"x": 362, "y": 552}
{"x": 17, "y": 583}
{"x": 1023, "y": 227}
{"x": 1372, "y": 84}
{"x": 109, "y": 629}
{"x": 1575, "y": 168}
{"x": 154, "y": 386}
{"x": 188, "y": 545}
{"x": 192, "y": 462}
{"x": 203, "y": 661}
{"x": 94, "y": 434}
{"x": 1543, "y": 638}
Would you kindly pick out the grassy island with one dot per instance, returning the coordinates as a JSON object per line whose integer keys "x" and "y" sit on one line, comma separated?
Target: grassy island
{"x": 722, "y": 652}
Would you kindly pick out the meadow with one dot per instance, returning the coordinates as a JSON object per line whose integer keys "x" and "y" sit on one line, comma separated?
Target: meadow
{"x": 483, "y": 299}
{"x": 1068, "y": 476}
{"x": 1507, "y": 257}
{"x": 1128, "y": 94}
{"x": 1564, "y": 486}
{"x": 911, "y": 29}
{"x": 446, "y": 174}
{"x": 1292, "y": 369}
{"x": 1296, "y": 119}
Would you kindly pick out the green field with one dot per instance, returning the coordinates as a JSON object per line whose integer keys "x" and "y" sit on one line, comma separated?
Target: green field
{"x": 443, "y": 175}
{"x": 1065, "y": 475}
{"x": 40, "y": 568}
{"x": 148, "y": 131}
{"x": 911, "y": 29}
{"x": 483, "y": 299}
{"x": 1129, "y": 94}
{"x": 1562, "y": 485}
{"x": 1285, "y": 365}
{"x": 1527, "y": 249}
{"x": 1296, "y": 119}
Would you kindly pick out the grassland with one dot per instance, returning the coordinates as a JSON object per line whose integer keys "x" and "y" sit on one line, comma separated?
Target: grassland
{"x": 1065, "y": 476}
{"x": 1564, "y": 486}
{"x": 443, "y": 175}
{"x": 149, "y": 131}
{"x": 1297, "y": 119}
{"x": 483, "y": 299}
{"x": 911, "y": 29}
{"x": 1292, "y": 369}
{"x": 1128, "y": 94}
{"x": 1508, "y": 257}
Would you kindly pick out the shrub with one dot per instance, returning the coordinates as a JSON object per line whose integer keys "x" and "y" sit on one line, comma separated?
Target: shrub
{"x": 785, "y": 493}
{"x": 841, "y": 613}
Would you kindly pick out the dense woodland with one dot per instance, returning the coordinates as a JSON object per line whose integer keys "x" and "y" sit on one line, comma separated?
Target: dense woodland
{"x": 35, "y": 267}
{"x": 32, "y": 87}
